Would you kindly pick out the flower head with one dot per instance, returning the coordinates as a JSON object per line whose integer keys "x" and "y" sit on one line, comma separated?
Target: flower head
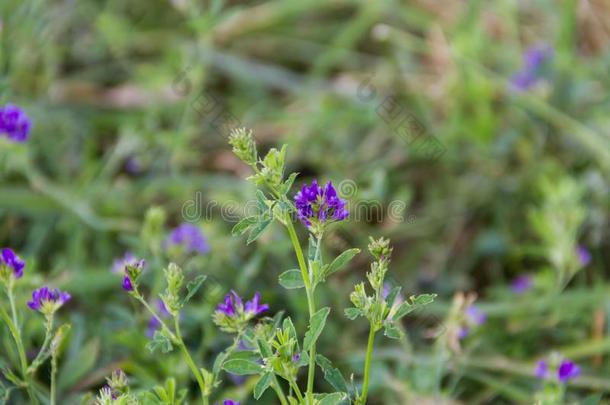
{"x": 542, "y": 369}
{"x": 188, "y": 237}
{"x": 584, "y": 257}
{"x": 118, "y": 265}
{"x": 567, "y": 370}
{"x": 232, "y": 315}
{"x": 48, "y": 300}
{"x": 14, "y": 123}
{"x": 521, "y": 284}
{"x": 132, "y": 271}
{"x": 316, "y": 205}
{"x": 475, "y": 315}
{"x": 11, "y": 263}
{"x": 230, "y": 402}
{"x": 533, "y": 61}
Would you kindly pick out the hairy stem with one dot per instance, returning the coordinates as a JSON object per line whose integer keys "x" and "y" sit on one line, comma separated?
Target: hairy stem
{"x": 279, "y": 391}
{"x": 190, "y": 362}
{"x": 40, "y": 357}
{"x": 367, "y": 365}
{"x": 53, "y": 375}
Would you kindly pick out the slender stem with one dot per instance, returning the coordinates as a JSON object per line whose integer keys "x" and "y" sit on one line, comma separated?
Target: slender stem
{"x": 190, "y": 362}
{"x": 279, "y": 391}
{"x": 310, "y": 303}
{"x": 296, "y": 389}
{"x": 53, "y": 374}
{"x": 12, "y": 301}
{"x": 40, "y": 357}
{"x": 367, "y": 365}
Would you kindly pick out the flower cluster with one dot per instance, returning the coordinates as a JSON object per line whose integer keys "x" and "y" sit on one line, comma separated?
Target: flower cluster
{"x": 564, "y": 371}
{"x": 232, "y": 315}
{"x": 14, "y": 123}
{"x": 317, "y": 206}
{"x": 132, "y": 272}
{"x": 11, "y": 265}
{"x": 48, "y": 300}
{"x": 473, "y": 317}
{"x": 533, "y": 60}
{"x": 188, "y": 238}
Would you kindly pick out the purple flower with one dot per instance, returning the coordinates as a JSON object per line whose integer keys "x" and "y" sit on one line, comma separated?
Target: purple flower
{"x": 11, "y": 260}
{"x": 475, "y": 315}
{"x": 463, "y": 332}
{"x": 127, "y": 286}
{"x": 118, "y": 265}
{"x": 567, "y": 370}
{"x": 189, "y": 237}
{"x": 521, "y": 284}
{"x": 233, "y": 305}
{"x": 153, "y": 323}
{"x": 296, "y": 357}
{"x": 132, "y": 165}
{"x": 253, "y": 306}
{"x": 583, "y": 255}
{"x": 48, "y": 300}
{"x": 542, "y": 369}
{"x": 319, "y": 205}
{"x": 533, "y": 60}
{"x": 14, "y": 123}
{"x": 230, "y": 402}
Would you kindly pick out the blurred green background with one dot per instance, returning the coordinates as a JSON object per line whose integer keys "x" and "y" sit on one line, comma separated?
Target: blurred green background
{"x": 132, "y": 102}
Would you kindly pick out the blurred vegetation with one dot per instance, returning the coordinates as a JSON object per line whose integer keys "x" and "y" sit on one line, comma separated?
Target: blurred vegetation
{"x": 132, "y": 103}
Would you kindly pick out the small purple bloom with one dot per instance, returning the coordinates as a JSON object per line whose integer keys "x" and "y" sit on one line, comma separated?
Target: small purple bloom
{"x": 118, "y": 265}
{"x": 43, "y": 297}
{"x": 583, "y": 256}
{"x": 475, "y": 315}
{"x": 320, "y": 205}
{"x": 127, "y": 286}
{"x": 253, "y": 306}
{"x": 14, "y": 123}
{"x": 521, "y": 284}
{"x": 11, "y": 260}
{"x": 296, "y": 357}
{"x": 463, "y": 332}
{"x": 132, "y": 165}
{"x": 189, "y": 237}
{"x": 567, "y": 370}
{"x": 542, "y": 369}
{"x": 230, "y": 402}
{"x": 533, "y": 60}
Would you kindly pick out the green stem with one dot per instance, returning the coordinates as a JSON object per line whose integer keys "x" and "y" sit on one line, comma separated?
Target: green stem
{"x": 12, "y": 301}
{"x": 296, "y": 389}
{"x": 310, "y": 303}
{"x": 53, "y": 375}
{"x": 190, "y": 362}
{"x": 40, "y": 357}
{"x": 367, "y": 365}
{"x": 279, "y": 391}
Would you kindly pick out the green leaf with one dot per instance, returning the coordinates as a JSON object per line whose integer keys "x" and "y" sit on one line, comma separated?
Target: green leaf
{"x": 291, "y": 279}
{"x": 331, "y": 399}
{"x": 353, "y": 313}
{"x": 258, "y": 229}
{"x": 592, "y": 399}
{"x": 392, "y": 331}
{"x": 316, "y": 324}
{"x": 290, "y": 326}
{"x": 160, "y": 341}
{"x": 311, "y": 250}
{"x": 392, "y": 296}
{"x": 242, "y": 367}
{"x": 261, "y": 386}
{"x": 415, "y": 302}
{"x": 341, "y": 261}
{"x": 79, "y": 364}
{"x": 243, "y": 225}
{"x": 332, "y": 375}
{"x": 287, "y": 185}
{"x": 193, "y": 286}
{"x": 264, "y": 348}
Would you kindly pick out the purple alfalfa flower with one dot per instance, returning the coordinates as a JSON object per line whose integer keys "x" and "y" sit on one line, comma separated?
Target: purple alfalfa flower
{"x": 153, "y": 323}
{"x": 48, "y": 300}
{"x": 233, "y": 305}
{"x": 127, "y": 285}
{"x": 567, "y": 370}
{"x": 475, "y": 315}
{"x": 296, "y": 357}
{"x": 230, "y": 402}
{"x": 584, "y": 256}
{"x": 521, "y": 284}
{"x": 189, "y": 237}
{"x": 533, "y": 60}
{"x": 542, "y": 369}
{"x": 463, "y": 332}
{"x": 254, "y": 307}
{"x": 12, "y": 261}
{"x": 118, "y": 265}
{"x": 319, "y": 205}
{"x": 14, "y": 123}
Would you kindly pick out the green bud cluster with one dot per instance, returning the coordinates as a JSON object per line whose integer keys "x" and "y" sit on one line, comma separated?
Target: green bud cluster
{"x": 171, "y": 297}
{"x": 243, "y": 145}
